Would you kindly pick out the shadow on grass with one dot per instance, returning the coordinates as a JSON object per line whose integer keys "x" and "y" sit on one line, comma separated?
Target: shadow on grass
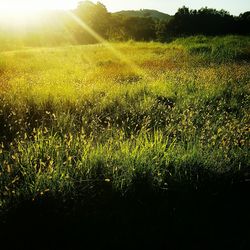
{"x": 170, "y": 219}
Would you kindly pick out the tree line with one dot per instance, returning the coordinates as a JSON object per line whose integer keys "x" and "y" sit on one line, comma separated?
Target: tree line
{"x": 185, "y": 22}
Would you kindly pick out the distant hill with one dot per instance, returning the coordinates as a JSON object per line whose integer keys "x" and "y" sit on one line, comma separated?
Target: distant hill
{"x": 144, "y": 13}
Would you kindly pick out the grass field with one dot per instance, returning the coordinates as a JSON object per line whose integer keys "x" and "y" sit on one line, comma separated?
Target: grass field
{"x": 127, "y": 117}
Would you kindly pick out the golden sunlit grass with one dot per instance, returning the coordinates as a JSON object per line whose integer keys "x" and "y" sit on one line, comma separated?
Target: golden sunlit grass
{"x": 76, "y": 115}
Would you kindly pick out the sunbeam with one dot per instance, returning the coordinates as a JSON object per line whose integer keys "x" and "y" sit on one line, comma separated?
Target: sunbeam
{"x": 108, "y": 45}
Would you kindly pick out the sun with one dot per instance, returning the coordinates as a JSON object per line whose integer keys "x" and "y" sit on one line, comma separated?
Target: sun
{"x": 17, "y": 12}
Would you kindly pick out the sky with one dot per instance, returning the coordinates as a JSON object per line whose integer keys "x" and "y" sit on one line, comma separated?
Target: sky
{"x": 171, "y": 6}
{"x": 235, "y": 7}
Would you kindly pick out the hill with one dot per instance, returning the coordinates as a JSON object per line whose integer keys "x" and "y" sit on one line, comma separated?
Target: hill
{"x": 144, "y": 13}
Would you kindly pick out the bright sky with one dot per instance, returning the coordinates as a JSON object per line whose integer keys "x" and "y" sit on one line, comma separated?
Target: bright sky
{"x": 171, "y": 6}
{"x": 168, "y": 6}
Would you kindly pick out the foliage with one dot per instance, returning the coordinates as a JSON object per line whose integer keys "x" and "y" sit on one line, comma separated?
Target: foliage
{"x": 94, "y": 16}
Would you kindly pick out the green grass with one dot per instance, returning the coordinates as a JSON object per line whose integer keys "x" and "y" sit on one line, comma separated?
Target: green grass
{"x": 219, "y": 49}
{"x": 167, "y": 115}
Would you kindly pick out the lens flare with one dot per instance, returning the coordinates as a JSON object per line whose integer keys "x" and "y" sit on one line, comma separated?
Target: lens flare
{"x": 20, "y": 12}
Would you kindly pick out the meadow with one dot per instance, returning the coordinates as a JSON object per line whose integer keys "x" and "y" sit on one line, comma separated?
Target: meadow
{"x": 130, "y": 118}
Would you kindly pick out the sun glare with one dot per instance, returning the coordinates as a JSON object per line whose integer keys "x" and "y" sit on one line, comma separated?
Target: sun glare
{"x": 18, "y": 12}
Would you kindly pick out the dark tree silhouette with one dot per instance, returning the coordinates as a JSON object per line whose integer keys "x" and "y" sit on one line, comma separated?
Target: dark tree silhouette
{"x": 207, "y": 22}
{"x": 243, "y": 24}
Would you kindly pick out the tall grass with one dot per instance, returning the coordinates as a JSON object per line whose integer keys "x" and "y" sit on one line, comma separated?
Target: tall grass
{"x": 73, "y": 118}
